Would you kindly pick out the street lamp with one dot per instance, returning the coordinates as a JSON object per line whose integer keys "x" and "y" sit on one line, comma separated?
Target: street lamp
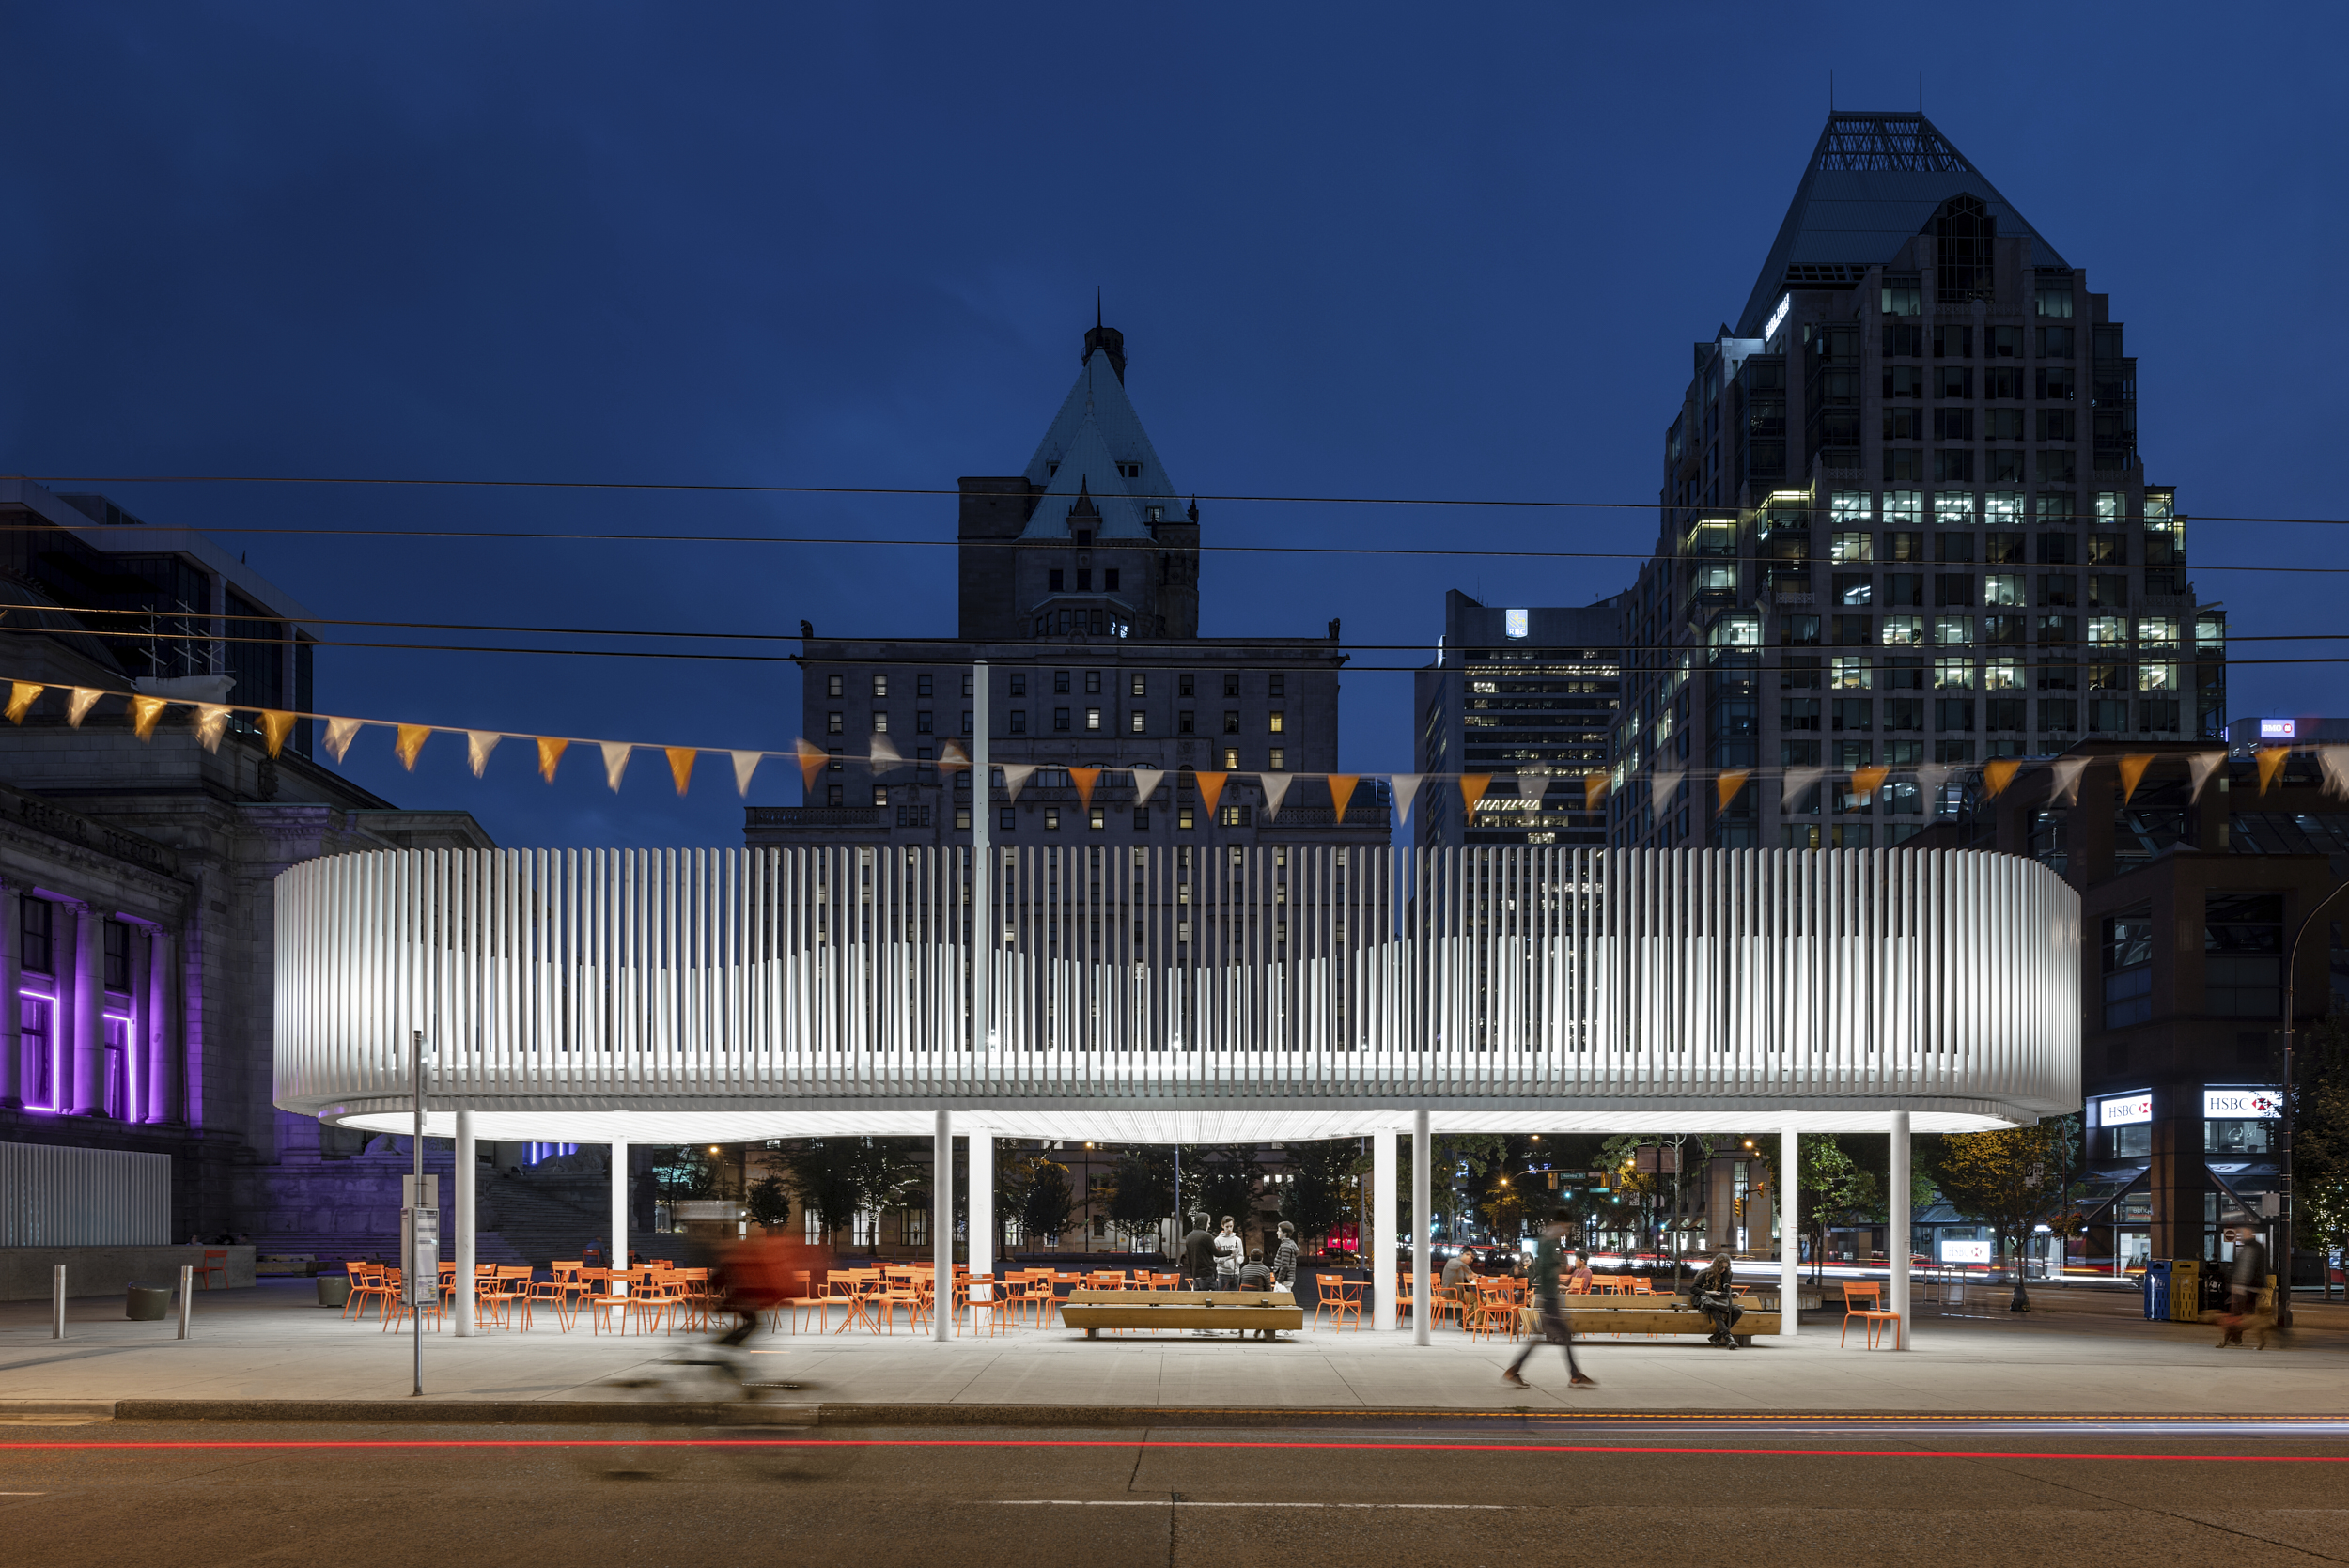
{"x": 2292, "y": 963}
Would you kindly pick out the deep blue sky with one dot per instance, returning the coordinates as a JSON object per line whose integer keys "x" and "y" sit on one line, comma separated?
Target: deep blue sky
{"x": 1384, "y": 251}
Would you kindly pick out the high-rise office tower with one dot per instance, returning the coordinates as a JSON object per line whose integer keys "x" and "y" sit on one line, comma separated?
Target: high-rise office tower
{"x": 1904, "y": 525}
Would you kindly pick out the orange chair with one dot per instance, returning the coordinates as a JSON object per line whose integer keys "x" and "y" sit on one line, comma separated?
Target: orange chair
{"x": 1338, "y": 1297}
{"x": 1864, "y": 1299}
{"x": 215, "y": 1262}
{"x": 366, "y": 1285}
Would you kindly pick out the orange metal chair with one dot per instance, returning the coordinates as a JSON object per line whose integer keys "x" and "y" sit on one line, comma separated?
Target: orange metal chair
{"x": 1864, "y": 1299}
{"x": 215, "y": 1262}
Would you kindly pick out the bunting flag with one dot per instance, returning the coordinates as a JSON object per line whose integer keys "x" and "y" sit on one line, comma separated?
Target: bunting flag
{"x": 1795, "y": 784}
{"x": 1726, "y": 786}
{"x": 2066, "y": 771}
{"x": 1085, "y": 779}
{"x": 954, "y": 759}
{"x": 2334, "y": 760}
{"x": 812, "y": 759}
{"x": 340, "y": 732}
{"x": 1406, "y": 794}
{"x": 1276, "y": 789}
{"x": 77, "y": 706}
{"x": 745, "y": 764}
{"x": 550, "y": 756}
{"x": 478, "y": 745}
{"x": 1146, "y": 783}
{"x": 2271, "y": 761}
{"x": 884, "y": 756}
{"x": 1341, "y": 791}
{"x": 1016, "y": 776}
{"x": 1210, "y": 788}
{"x": 1931, "y": 776}
{"x": 2199, "y": 768}
{"x": 1665, "y": 785}
{"x": 212, "y": 722}
{"x": 615, "y": 761}
{"x": 680, "y": 765}
{"x": 1472, "y": 787}
{"x": 410, "y": 741}
{"x": 1865, "y": 781}
{"x": 2132, "y": 769}
{"x": 1997, "y": 775}
{"x": 275, "y": 726}
{"x": 144, "y": 712}
{"x": 1593, "y": 790}
{"x": 22, "y": 696}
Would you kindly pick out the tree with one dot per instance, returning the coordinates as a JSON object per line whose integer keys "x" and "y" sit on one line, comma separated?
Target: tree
{"x": 1141, "y": 1194}
{"x": 1220, "y": 1180}
{"x": 2008, "y": 1179}
{"x": 2320, "y": 1139}
{"x": 1461, "y": 1164}
{"x": 1037, "y": 1194}
{"x": 839, "y": 1178}
{"x": 684, "y": 1171}
{"x": 770, "y": 1204}
{"x": 1316, "y": 1196}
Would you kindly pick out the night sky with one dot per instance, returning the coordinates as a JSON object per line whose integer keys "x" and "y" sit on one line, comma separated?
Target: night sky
{"x": 1420, "y": 252}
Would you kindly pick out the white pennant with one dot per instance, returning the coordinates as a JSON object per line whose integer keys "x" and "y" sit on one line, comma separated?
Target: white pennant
{"x": 1406, "y": 787}
{"x": 1145, "y": 783}
{"x": 1666, "y": 784}
{"x": 212, "y": 722}
{"x": 340, "y": 732}
{"x": 883, "y": 755}
{"x": 745, "y": 764}
{"x": 1276, "y": 789}
{"x": 1931, "y": 776}
{"x": 615, "y": 761}
{"x": 2334, "y": 760}
{"x": 478, "y": 745}
{"x": 2066, "y": 788}
{"x": 1795, "y": 781}
{"x": 77, "y": 706}
{"x": 1016, "y": 775}
{"x": 2199, "y": 767}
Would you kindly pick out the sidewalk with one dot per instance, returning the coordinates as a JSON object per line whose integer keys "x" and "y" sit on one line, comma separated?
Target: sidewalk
{"x": 272, "y": 1343}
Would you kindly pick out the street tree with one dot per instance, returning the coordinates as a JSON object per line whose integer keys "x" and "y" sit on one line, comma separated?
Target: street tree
{"x": 1141, "y": 1194}
{"x": 2009, "y": 1179}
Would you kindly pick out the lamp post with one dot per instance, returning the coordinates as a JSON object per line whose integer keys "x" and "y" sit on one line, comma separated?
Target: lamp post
{"x": 2284, "y": 1225}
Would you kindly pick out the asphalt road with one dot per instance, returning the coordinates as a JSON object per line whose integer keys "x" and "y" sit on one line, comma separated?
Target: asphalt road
{"x": 230, "y": 1493}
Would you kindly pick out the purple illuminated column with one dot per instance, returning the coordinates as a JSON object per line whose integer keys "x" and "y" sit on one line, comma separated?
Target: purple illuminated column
{"x": 161, "y": 1020}
{"x": 11, "y": 1009}
{"x": 90, "y": 1023}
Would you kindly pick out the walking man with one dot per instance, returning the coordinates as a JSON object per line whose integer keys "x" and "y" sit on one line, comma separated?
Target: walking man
{"x": 1556, "y": 1330}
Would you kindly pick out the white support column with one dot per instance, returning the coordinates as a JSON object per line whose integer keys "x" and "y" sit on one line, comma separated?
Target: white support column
{"x": 943, "y": 1227}
{"x": 982, "y": 932}
{"x": 981, "y": 1203}
{"x": 1789, "y": 1237}
{"x": 1896, "y": 1245}
{"x": 465, "y": 1223}
{"x": 620, "y": 1210}
{"x": 1422, "y": 1197}
{"x": 1382, "y": 1236}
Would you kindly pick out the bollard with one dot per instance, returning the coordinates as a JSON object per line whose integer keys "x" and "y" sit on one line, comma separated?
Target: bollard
{"x": 56, "y": 1292}
{"x": 187, "y": 1298}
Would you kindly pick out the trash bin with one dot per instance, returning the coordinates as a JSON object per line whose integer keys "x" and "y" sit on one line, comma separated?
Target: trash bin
{"x": 2156, "y": 1284}
{"x": 2185, "y": 1290}
{"x": 333, "y": 1290}
{"x": 147, "y": 1303}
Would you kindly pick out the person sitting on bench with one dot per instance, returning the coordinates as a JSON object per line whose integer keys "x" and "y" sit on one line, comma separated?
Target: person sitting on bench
{"x": 1713, "y": 1294}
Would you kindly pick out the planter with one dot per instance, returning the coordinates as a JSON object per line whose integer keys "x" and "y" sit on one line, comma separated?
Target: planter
{"x": 147, "y": 1303}
{"x": 333, "y": 1290}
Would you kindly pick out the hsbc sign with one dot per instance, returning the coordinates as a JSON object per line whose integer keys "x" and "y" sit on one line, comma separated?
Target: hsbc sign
{"x": 2125, "y": 1110}
{"x": 2241, "y": 1104}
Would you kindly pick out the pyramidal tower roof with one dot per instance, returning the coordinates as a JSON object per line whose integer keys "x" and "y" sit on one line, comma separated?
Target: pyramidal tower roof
{"x": 1096, "y": 445}
{"x": 1874, "y": 181}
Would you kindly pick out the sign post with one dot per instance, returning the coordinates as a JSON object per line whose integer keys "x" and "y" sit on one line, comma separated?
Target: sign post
{"x": 420, "y": 1227}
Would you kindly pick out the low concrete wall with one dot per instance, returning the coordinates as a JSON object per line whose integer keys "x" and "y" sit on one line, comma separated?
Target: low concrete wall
{"x": 107, "y": 1271}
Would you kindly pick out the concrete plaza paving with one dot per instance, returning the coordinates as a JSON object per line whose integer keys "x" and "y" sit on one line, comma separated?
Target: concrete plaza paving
{"x": 2074, "y": 1356}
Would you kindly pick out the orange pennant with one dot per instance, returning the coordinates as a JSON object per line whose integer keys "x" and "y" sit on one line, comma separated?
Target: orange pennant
{"x": 2132, "y": 769}
{"x": 21, "y": 697}
{"x": 1998, "y": 775}
{"x": 1865, "y": 781}
{"x": 1727, "y": 784}
{"x": 1472, "y": 787}
{"x": 1593, "y": 790}
{"x": 1085, "y": 779}
{"x": 144, "y": 712}
{"x": 2271, "y": 761}
{"x": 812, "y": 760}
{"x": 275, "y": 726}
{"x": 1341, "y": 791}
{"x": 954, "y": 758}
{"x": 1210, "y": 788}
{"x": 410, "y": 741}
{"x": 549, "y": 757}
{"x": 681, "y": 765}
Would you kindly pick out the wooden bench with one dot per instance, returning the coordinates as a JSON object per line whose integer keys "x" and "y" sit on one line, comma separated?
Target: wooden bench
{"x": 1651, "y": 1314}
{"x": 1167, "y": 1311}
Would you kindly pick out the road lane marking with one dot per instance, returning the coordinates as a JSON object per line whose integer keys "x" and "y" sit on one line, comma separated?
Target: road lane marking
{"x": 1186, "y": 1502}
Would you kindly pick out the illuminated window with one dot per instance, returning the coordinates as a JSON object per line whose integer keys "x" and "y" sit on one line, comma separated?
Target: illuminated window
{"x": 832, "y": 685}
{"x": 880, "y": 686}
{"x": 1952, "y": 675}
{"x": 1278, "y": 721}
{"x": 1231, "y": 759}
{"x": 1093, "y": 718}
{"x": 1137, "y": 725}
{"x": 1279, "y": 763}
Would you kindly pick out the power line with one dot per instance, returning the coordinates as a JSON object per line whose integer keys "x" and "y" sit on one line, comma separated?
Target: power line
{"x": 1536, "y": 503}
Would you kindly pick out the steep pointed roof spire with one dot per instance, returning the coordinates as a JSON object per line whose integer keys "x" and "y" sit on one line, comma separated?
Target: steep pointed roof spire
{"x": 1106, "y": 340}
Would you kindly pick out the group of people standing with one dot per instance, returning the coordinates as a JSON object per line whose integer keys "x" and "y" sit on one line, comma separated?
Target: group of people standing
{"x": 1223, "y": 1259}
